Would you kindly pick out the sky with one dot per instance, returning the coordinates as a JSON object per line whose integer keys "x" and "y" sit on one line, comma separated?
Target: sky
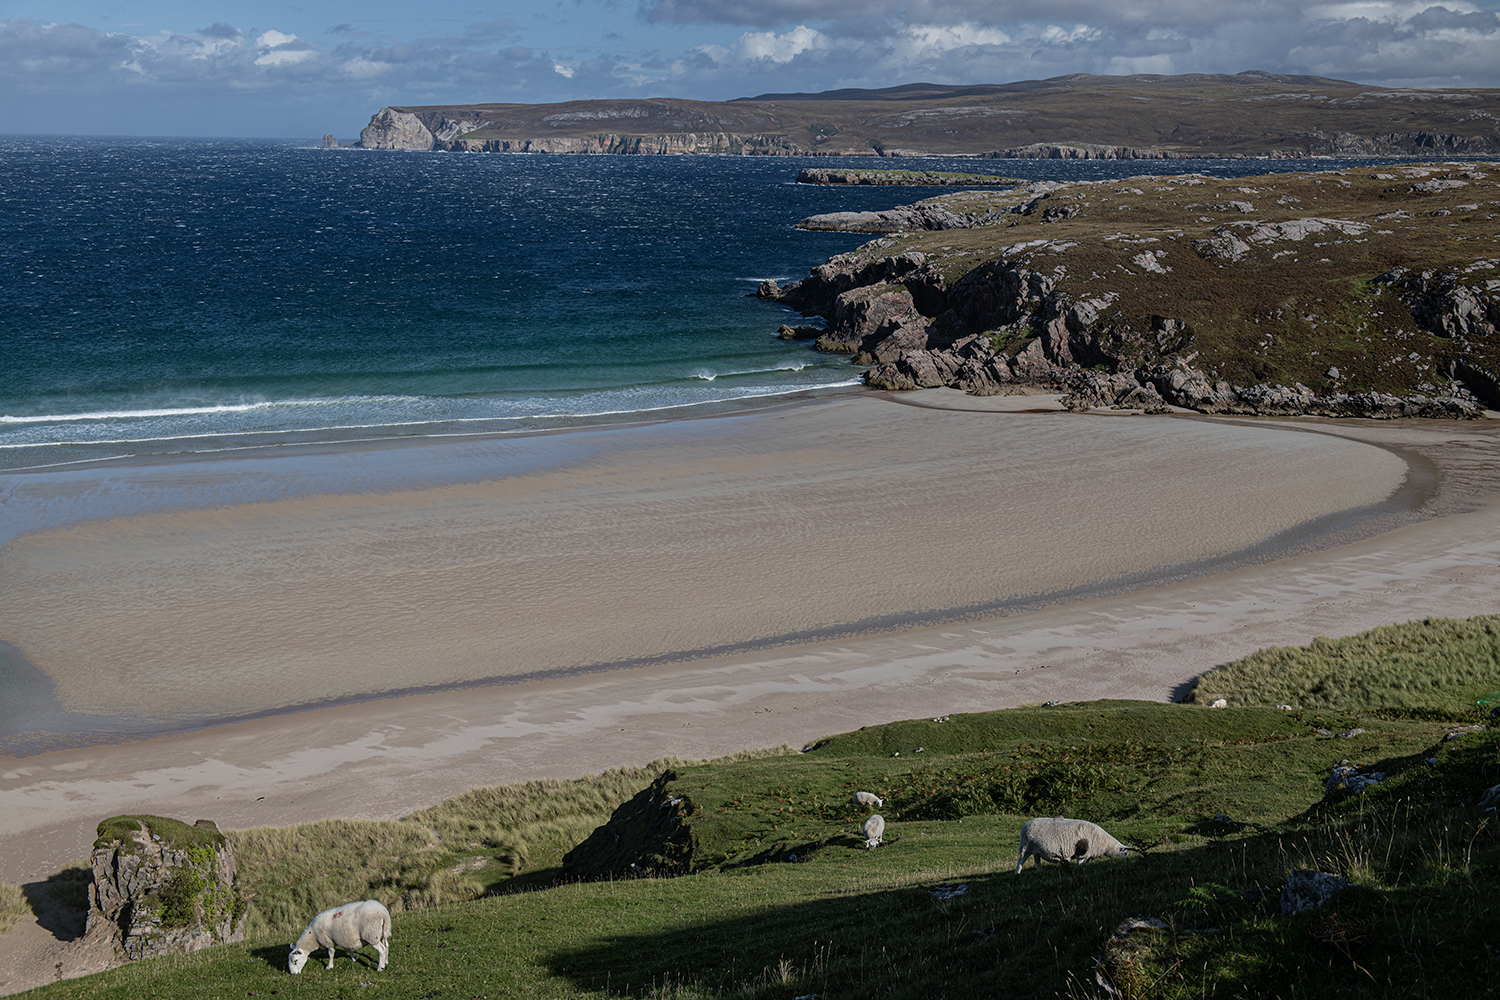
{"x": 276, "y": 69}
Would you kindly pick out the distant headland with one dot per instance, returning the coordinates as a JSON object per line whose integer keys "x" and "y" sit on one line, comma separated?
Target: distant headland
{"x": 1078, "y": 116}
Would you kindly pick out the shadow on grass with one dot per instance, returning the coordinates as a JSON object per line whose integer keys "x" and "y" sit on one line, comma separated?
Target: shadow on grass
{"x": 1044, "y": 933}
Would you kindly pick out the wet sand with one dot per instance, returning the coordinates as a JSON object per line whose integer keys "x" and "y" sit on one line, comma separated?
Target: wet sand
{"x": 696, "y": 535}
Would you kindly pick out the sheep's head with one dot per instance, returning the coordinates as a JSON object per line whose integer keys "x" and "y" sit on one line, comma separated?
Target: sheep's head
{"x": 296, "y": 960}
{"x": 1118, "y": 851}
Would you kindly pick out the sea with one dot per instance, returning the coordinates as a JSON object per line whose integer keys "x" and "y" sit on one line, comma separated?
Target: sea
{"x": 183, "y": 297}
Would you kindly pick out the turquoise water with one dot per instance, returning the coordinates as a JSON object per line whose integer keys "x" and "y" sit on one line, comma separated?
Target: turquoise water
{"x": 185, "y": 296}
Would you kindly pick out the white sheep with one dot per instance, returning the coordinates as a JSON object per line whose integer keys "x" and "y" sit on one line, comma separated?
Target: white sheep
{"x": 1490, "y": 800}
{"x": 868, "y": 799}
{"x": 1060, "y": 839}
{"x": 874, "y": 830}
{"x": 351, "y": 926}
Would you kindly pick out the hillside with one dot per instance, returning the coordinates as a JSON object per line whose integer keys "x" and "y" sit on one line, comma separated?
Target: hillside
{"x": 1368, "y": 292}
{"x": 1075, "y": 116}
{"x": 777, "y": 897}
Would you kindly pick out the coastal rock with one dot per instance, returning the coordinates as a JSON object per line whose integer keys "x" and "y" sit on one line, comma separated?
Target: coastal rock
{"x": 890, "y": 178}
{"x": 330, "y": 141}
{"x": 391, "y": 129}
{"x": 878, "y": 322}
{"x": 162, "y": 887}
{"x": 905, "y": 219}
{"x": 1306, "y": 889}
{"x": 660, "y": 144}
{"x": 1442, "y": 303}
{"x": 1235, "y": 239}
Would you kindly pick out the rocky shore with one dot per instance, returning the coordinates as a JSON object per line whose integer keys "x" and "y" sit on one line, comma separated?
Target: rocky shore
{"x": 1371, "y": 293}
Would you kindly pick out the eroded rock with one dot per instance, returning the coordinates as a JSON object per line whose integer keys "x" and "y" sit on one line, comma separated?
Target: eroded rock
{"x": 162, "y": 887}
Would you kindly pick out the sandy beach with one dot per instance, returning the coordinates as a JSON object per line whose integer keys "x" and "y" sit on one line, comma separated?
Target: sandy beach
{"x": 584, "y": 600}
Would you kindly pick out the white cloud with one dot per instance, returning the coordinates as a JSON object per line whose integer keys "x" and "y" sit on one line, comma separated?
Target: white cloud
{"x": 563, "y": 71}
{"x": 282, "y": 49}
{"x": 755, "y": 46}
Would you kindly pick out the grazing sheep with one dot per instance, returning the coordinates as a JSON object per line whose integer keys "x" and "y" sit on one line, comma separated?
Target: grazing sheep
{"x": 350, "y": 926}
{"x": 1490, "y": 800}
{"x": 868, "y": 799}
{"x": 1060, "y": 839}
{"x": 874, "y": 830}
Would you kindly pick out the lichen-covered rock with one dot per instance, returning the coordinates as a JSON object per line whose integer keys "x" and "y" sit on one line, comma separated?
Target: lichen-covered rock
{"x": 162, "y": 887}
{"x": 1306, "y": 889}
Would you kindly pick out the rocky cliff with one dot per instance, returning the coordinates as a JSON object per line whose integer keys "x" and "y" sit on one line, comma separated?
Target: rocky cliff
{"x": 1078, "y": 116}
{"x": 162, "y": 887}
{"x": 1345, "y": 293}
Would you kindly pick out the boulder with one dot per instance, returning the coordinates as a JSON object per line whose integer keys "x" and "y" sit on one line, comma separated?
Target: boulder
{"x": 1306, "y": 889}
{"x": 162, "y": 887}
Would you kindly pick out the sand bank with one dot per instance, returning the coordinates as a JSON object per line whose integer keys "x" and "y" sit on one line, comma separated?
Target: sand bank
{"x": 383, "y": 758}
{"x": 642, "y": 545}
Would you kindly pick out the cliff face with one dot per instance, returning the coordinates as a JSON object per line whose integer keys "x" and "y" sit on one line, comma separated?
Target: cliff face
{"x": 1345, "y": 293}
{"x": 1078, "y": 116}
{"x": 392, "y": 129}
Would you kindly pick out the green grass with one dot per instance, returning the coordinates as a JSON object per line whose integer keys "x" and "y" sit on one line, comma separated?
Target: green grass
{"x": 488, "y": 840}
{"x": 1441, "y": 666}
{"x": 1219, "y": 804}
{"x": 847, "y": 922}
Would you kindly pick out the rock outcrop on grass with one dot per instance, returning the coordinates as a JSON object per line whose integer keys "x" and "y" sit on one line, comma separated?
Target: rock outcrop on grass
{"x": 1346, "y": 293}
{"x": 162, "y": 887}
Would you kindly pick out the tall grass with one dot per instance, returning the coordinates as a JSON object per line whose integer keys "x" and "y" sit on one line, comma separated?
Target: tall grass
{"x": 1436, "y": 665}
{"x": 483, "y": 842}
{"x": 13, "y": 908}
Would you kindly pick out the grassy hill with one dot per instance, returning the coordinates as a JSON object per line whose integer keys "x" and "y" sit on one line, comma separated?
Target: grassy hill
{"x": 1220, "y": 804}
{"x": 1250, "y": 114}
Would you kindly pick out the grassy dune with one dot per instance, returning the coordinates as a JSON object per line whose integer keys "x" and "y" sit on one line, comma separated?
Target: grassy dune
{"x": 1436, "y": 666}
{"x": 1220, "y": 804}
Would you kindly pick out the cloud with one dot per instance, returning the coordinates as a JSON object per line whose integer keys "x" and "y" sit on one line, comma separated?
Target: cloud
{"x": 767, "y": 46}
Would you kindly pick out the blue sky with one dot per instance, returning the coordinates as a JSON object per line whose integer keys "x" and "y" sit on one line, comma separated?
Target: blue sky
{"x": 232, "y": 68}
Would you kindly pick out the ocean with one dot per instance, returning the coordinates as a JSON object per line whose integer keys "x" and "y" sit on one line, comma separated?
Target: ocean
{"x": 169, "y": 297}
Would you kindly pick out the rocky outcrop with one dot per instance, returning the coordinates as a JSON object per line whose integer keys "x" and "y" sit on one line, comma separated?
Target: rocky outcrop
{"x": 903, "y": 219}
{"x": 162, "y": 887}
{"x": 665, "y": 144}
{"x": 1087, "y": 151}
{"x": 1388, "y": 144}
{"x": 907, "y": 178}
{"x": 330, "y": 141}
{"x": 391, "y": 129}
{"x": 1443, "y": 303}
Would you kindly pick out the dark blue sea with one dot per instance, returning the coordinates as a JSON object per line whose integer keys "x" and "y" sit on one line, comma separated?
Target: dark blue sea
{"x": 172, "y": 296}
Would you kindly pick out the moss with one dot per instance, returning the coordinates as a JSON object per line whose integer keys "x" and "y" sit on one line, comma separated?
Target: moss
{"x": 172, "y": 832}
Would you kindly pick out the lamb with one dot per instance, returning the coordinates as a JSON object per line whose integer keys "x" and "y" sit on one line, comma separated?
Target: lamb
{"x": 874, "y": 830}
{"x": 868, "y": 799}
{"x": 351, "y": 926}
{"x": 1060, "y": 839}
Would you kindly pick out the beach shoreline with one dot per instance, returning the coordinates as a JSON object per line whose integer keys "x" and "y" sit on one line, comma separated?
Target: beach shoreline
{"x": 384, "y": 756}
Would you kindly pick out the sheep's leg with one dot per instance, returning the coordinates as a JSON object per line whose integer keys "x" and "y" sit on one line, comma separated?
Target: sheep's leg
{"x": 330, "y": 957}
{"x": 383, "y": 948}
{"x": 1020, "y": 861}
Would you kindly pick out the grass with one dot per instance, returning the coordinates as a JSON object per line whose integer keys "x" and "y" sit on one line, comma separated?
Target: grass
{"x": 1220, "y": 804}
{"x": 1443, "y": 666}
{"x": 488, "y": 840}
{"x": 846, "y": 922}
{"x": 13, "y": 906}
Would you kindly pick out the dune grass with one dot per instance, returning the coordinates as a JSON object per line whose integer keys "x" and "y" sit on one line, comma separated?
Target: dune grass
{"x": 1442, "y": 666}
{"x": 13, "y": 908}
{"x": 488, "y": 840}
{"x": 846, "y": 922}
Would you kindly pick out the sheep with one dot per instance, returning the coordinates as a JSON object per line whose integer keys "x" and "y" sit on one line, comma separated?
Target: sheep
{"x": 1490, "y": 800}
{"x": 351, "y": 926}
{"x": 874, "y": 830}
{"x": 1061, "y": 839}
{"x": 868, "y": 799}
